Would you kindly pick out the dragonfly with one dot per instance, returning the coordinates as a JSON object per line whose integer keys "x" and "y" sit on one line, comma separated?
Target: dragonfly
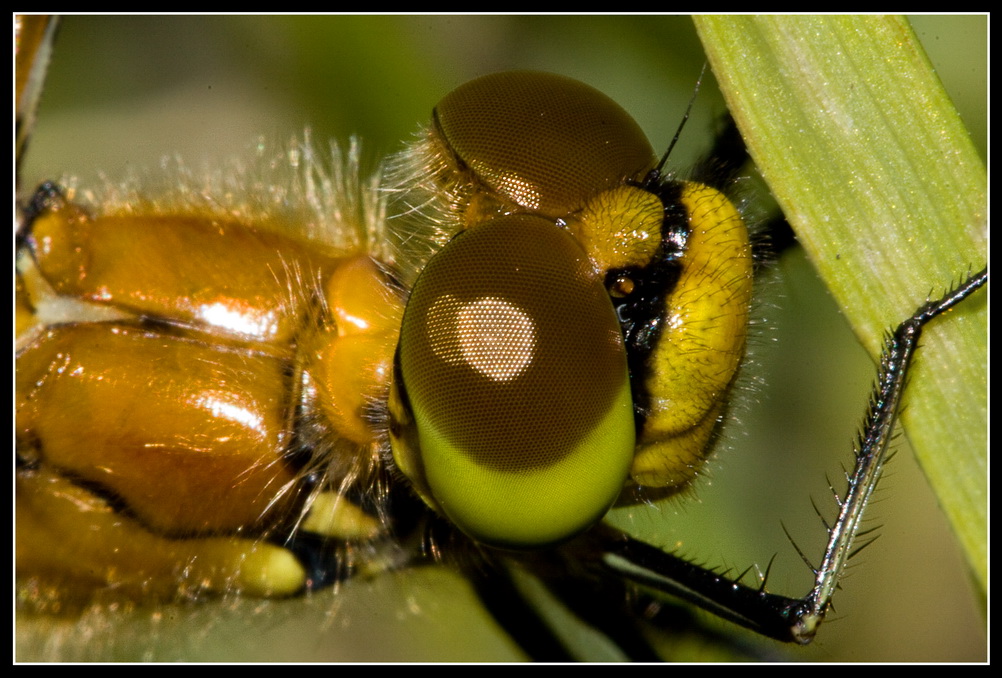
{"x": 421, "y": 607}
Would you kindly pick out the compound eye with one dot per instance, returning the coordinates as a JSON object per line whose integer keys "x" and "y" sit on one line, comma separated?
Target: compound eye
{"x": 513, "y": 365}
{"x": 542, "y": 141}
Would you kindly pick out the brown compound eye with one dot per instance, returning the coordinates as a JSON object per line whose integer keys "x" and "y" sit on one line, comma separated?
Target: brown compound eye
{"x": 519, "y": 156}
{"x": 541, "y": 141}
{"x": 514, "y": 370}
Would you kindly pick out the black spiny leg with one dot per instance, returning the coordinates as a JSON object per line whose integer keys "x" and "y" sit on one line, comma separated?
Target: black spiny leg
{"x": 790, "y": 619}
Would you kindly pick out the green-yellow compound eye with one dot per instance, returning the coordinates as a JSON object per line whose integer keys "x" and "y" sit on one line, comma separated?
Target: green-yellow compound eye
{"x": 514, "y": 378}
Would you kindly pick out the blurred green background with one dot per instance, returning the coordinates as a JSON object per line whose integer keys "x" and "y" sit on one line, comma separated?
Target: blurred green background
{"x": 125, "y": 91}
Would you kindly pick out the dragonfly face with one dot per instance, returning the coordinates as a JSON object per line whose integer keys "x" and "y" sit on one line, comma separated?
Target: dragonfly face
{"x": 720, "y": 470}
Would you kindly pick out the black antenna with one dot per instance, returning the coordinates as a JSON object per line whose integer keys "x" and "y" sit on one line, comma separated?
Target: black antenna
{"x": 656, "y": 172}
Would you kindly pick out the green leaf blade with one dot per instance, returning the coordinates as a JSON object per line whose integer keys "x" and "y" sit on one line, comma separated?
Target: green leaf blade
{"x": 877, "y": 174}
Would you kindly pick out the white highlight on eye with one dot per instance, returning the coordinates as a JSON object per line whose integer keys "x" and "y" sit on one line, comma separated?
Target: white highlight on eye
{"x": 524, "y": 192}
{"x": 231, "y": 320}
{"x": 491, "y": 335}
